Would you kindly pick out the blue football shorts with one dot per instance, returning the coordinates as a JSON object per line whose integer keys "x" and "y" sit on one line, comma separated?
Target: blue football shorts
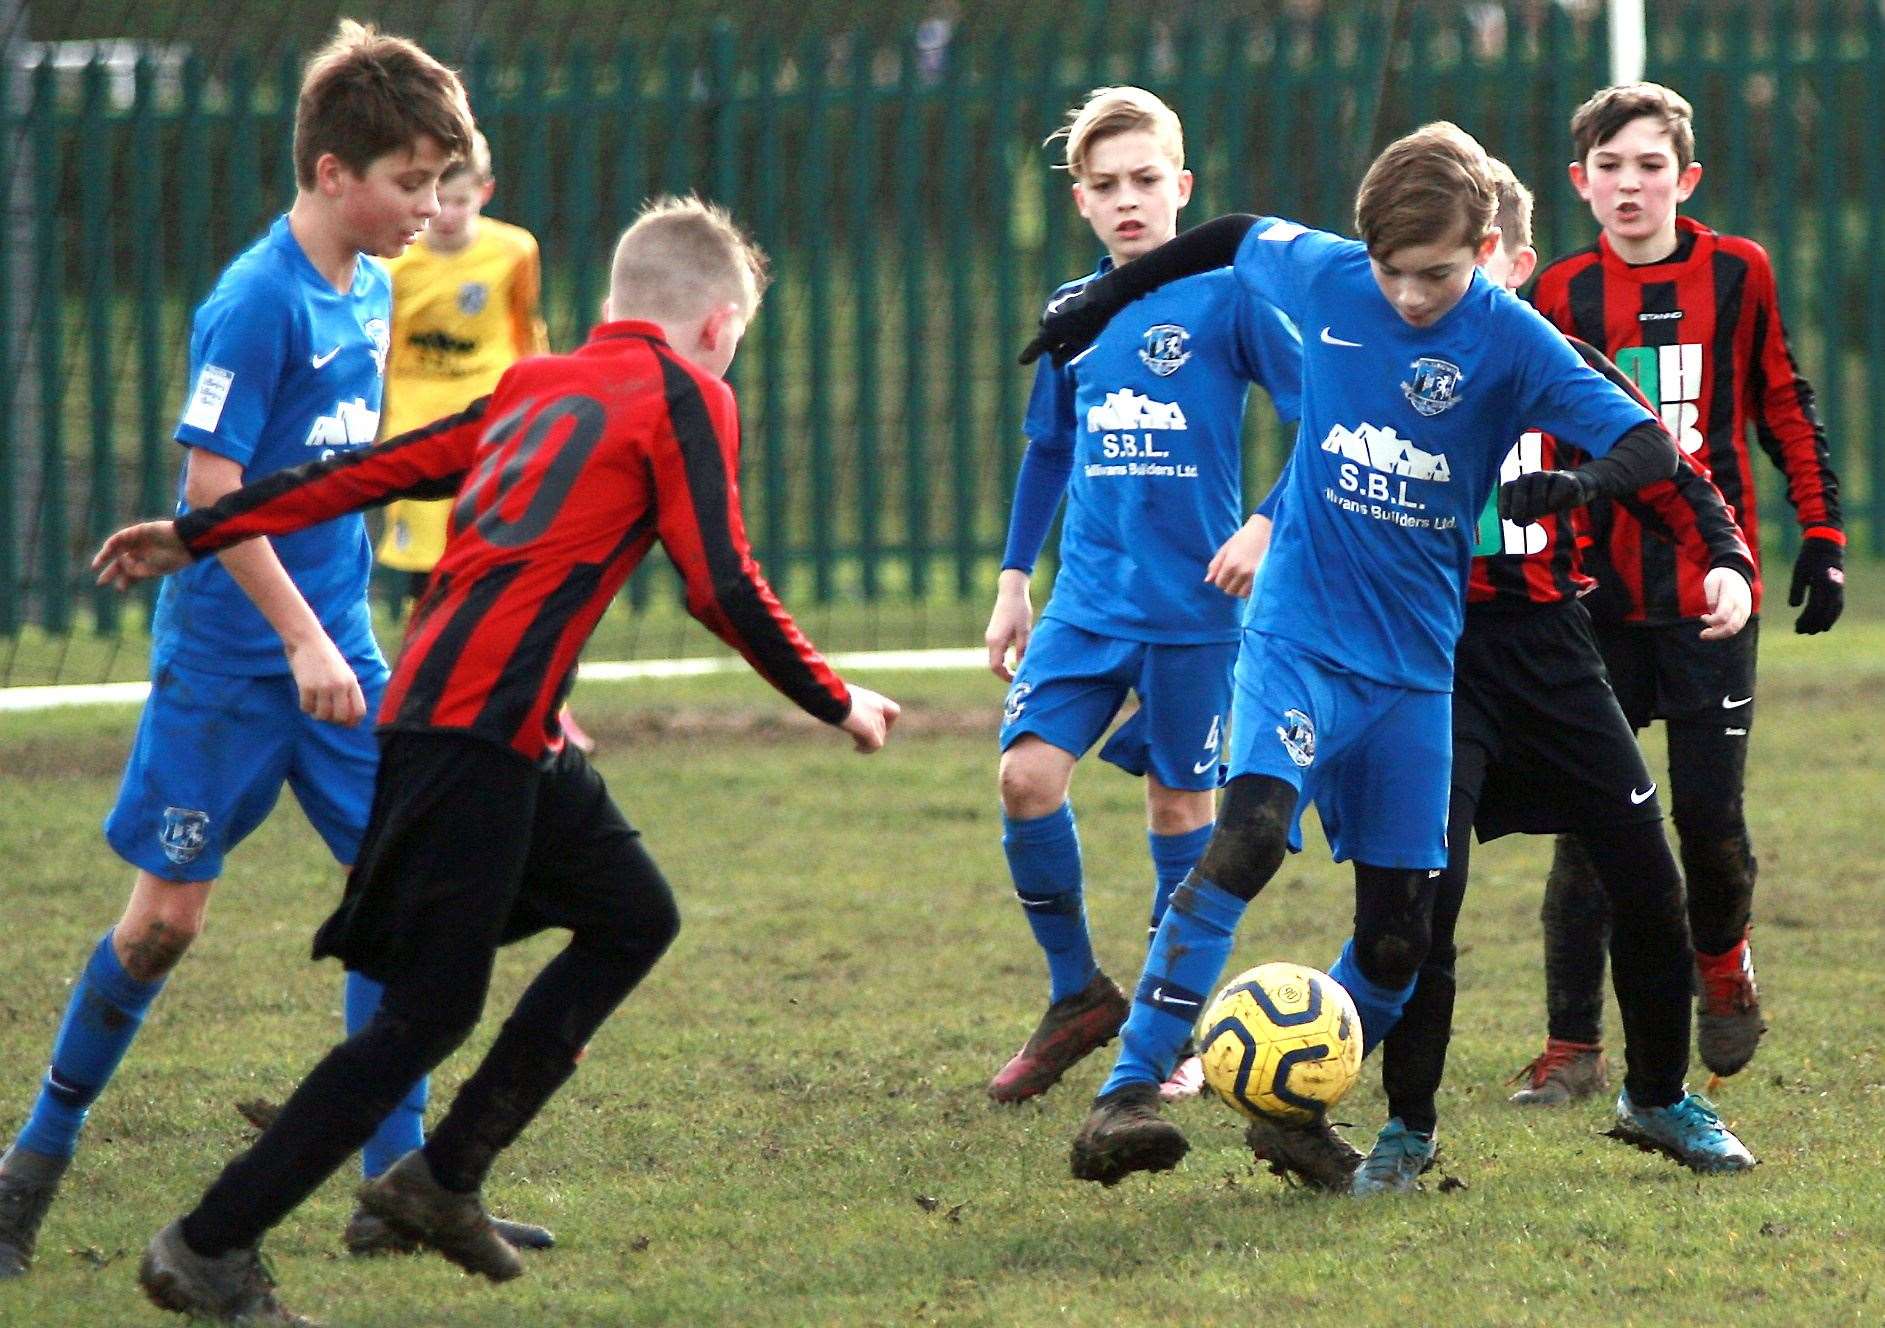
{"x": 1375, "y": 759}
{"x": 211, "y": 755}
{"x": 1072, "y": 682}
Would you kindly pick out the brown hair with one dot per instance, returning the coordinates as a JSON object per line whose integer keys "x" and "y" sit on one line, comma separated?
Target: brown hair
{"x": 1121, "y": 110}
{"x": 1431, "y": 185}
{"x": 366, "y": 94}
{"x": 1598, "y": 120}
{"x": 680, "y": 257}
{"x": 1514, "y": 214}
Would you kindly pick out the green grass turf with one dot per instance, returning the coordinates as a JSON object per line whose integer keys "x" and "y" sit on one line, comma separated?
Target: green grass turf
{"x": 786, "y": 1124}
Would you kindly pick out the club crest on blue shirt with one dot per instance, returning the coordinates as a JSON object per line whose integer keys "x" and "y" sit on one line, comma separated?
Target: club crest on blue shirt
{"x": 185, "y": 834}
{"x": 1298, "y": 733}
{"x": 381, "y": 337}
{"x": 1163, "y": 351}
{"x": 1434, "y": 387}
{"x": 472, "y": 297}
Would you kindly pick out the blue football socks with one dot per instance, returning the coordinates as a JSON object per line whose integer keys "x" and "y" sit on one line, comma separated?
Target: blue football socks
{"x": 404, "y": 1129}
{"x": 1379, "y": 1007}
{"x": 1173, "y": 856}
{"x": 1044, "y": 859}
{"x": 106, "y": 1010}
{"x": 1186, "y": 959}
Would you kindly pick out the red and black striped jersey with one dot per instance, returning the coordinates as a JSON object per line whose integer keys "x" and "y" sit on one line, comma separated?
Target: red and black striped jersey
{"x": 1543, "y": 563}
{"x": 563, "y": 477}
{"x": 1701, "y": 334}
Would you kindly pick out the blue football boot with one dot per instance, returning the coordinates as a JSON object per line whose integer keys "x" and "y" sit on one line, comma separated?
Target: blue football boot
{"x": 1396, "y": 1161}
{"x": 1690, "y": 1132}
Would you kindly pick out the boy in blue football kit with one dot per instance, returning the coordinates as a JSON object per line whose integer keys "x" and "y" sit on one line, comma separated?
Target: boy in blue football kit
{"x": 1541, "y": 746}
{"x": 1143, "y": 436}
{"x": 1414, "y": 367}
{"x": 263, "y": 662}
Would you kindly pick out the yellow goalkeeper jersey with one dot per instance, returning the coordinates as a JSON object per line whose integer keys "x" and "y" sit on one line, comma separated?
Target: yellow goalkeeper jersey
{"x": 459, "y": 321}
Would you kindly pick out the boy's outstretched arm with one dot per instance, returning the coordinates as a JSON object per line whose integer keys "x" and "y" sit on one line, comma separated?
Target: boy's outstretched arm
{"x": 429, "y": 462}
{"x": 1075, "y": 319}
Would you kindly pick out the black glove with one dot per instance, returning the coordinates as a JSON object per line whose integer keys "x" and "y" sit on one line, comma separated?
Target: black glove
{"x": 1072, "y": 323}
{"x": 1532, "y": 497}
{"x": 1819, "y": 578}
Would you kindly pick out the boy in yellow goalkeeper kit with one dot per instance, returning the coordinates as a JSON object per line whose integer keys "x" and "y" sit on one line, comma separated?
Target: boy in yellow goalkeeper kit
{"x": 464, "y": 311}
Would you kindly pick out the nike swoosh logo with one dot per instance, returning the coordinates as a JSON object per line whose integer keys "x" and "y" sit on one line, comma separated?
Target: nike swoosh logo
{"x": 1160, "y": 998}
{"x": 1330, "y": 339}
{"x": 1644, "y": 796}
{"x": 1204, "y": 765}
{"x": 1729, "y": 703}
{"x": 1054, "y": 305}
{"x": 320, "y": 361}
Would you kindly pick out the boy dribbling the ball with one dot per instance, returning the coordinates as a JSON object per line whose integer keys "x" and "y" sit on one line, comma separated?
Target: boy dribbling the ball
{"x": 1413, "y": 367}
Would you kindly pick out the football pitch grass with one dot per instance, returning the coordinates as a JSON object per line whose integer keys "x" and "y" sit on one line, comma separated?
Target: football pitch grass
{"x": 786, "y": 1125}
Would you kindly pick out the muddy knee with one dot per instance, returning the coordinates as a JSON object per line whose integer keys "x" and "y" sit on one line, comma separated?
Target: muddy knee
{"x": 1251, "y": 837}
{"x": 149, "y": 948}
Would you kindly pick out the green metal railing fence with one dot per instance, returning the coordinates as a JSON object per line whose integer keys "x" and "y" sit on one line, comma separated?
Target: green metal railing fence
{"x": 914, "y": 224}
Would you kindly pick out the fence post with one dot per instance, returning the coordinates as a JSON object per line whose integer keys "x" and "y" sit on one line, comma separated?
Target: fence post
{"x": 242, "y": 213}
{"x": 192, "y": 186}
{"x": 18, "y": 405}
{"x": 962, "y": 406}
{"x": 147, "y": 247}
{"x": 1775, "y": 517}
{"x": 96, "y": 175}
{"x": 911, "y": 247}
{"x": 866, "y": 325}
{"x": 814, "y": 175}
{"x": 1001, "y": 88}
{"x": 48, "y": 328}
{"x": 771, "y": 319}
{"x": 1874, "y": 178}
{"x": 723, "y": 145}
{"x": 1832, "y": 171}
{"x": 677, "y": 172}
{"x": 581, "y": 201}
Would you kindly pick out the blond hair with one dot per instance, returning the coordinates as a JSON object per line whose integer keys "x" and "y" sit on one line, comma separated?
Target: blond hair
{"x": 1514, "y": 213}
{"x": 682, "y": 257}
{"x": 1599, "y": 119}
{"x": 476, "y": 162}
{"x": 1121, "y": 110}
{"x": 366, "y": 94}
{"x": 1427, "y": 187}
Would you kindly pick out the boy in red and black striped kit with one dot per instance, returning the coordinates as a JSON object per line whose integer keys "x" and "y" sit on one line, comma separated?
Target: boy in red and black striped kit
{"x": 487, "y": 826}
{"x": 1692, "y": 316}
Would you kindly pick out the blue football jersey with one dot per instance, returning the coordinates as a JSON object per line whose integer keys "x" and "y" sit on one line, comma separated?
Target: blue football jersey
{"x": 1152, "y": 414}
{"x": 284, "y": 369}
{"x": 1402, "y": 432}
